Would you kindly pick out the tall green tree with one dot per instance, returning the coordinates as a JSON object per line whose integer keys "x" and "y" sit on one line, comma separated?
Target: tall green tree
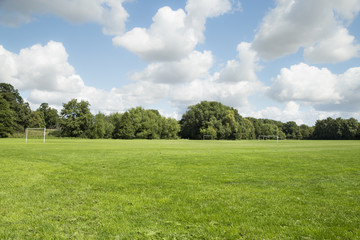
{"x": 6, "y": 118}
{"x": 248, "y": 130}
{"x": 339, "y": 128}
{"x": 124, "y": 127}
{"x": 143, "y": 124}
{"x": 291, "y": 130}
{"x": 97, "y": 129}
{"x": 109, "y": 127}
{"x": 75, "y": 119}
{"x": 36, "y": 120}
{"x": 51, "y": 116}
{"x": 150, "y": 126}
{"x": 170, "y": 128}
{"x": 211, "y": 118}
{"x": 306, "y": 131}
{"x": 257, "y": 124}
{"x": 17, "y": 105}
{"x": 349, "y": 128}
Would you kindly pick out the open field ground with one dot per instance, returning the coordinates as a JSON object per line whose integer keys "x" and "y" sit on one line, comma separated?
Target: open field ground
{"x": 112, "y": 189}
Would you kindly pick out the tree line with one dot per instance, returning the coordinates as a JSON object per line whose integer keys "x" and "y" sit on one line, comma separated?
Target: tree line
{"x": 211, "y": 119}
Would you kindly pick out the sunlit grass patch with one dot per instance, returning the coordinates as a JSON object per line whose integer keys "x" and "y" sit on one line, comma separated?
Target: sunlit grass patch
{"x": 98, "y": 189}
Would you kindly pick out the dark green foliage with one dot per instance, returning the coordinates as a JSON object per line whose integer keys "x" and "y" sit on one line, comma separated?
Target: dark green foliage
{"x": 50, "y": 115}
{"x": 211, "y": 118}
{"x": 267, "y": 127}
{"x": 248, "y": 130}
{"x": 98, "y": 127}
{"x": 169, "y": 128}
{"x": 147, "y": 123}
{"x": 143, "y": 124}
{"x": 6, "y": 118}
{"x": 75, "y": 119}
{"x": 36, "y": 120}
{"x": 20, "y": 109}
{"x": 336, "y": 129}
{"x": 306, "y": 131}
{"x": 350, "y": 128}
{"x": 291, "y": 130}
{"x": 123, "y": 127}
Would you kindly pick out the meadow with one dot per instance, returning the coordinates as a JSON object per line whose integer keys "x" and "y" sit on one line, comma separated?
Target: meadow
{"x": 181, "y": 189}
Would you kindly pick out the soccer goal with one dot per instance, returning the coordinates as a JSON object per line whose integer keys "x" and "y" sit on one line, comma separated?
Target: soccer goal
{"x": 208, "y": 137}
{"x": 269, "y": 137}
{"x": 35, "y": 133}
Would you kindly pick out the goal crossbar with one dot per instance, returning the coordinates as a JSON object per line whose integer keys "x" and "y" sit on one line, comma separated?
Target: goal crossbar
{"x": 27, "y": 132}
{"x": 264, "y": 137}
{"x": 208, "y": 137}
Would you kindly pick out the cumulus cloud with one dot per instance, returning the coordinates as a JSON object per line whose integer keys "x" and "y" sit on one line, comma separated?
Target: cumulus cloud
{"x": 115, "y": 100}
{"x": 40, "y": 67}
{"x": 168, "y": 38}
{"x": 174, "y": 34}
{"x": 293, "y": 111}
{"x": 243, "y": 69}
{"x": 109, "y": 13}
{"x": 319, "y": 87}
{"x": 189, "y": 79}
{"x": 290, "y": 112}
{"x": 44, "y": 71}
{"x": 233, "y": 94}
{"x": 194, "y": 66}
{"x": 309, "y": 24}
{"x": 8, "y": 68}
{"x": 348, "y": 87}
{"x": 305, "y": 83}
{"x": 337, "y": 48}
{"x": 199, "y": 10}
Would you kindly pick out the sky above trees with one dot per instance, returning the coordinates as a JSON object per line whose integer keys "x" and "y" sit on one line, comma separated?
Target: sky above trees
{"x": 287, "y": 60}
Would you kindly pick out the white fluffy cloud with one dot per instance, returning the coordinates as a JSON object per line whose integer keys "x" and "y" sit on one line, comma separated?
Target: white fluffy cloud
{"x": 348, "y": 87}
{"x": 168, "y": 38}
{"x": 174, "y": 34}
{"x": 337, "y": 48}
{"x": 8, "y": 68}
{"x": 109, "y": 13}
{"x": 39, "y": 67}
{"x": 319, "y": 87}
{"x": 233, "y": 94}
{"x": 199, "y": 10}
{"x": 310, "y": 24}
{"x": 195, "y": 66}
{"x": 243, "y": 69}
{"x": 293, "y": 111}
{"x": 305, "y": 83}
{"x": 189, "y": 79}
{"x": 290, "y": 112}
{"x": 45, "y": 72}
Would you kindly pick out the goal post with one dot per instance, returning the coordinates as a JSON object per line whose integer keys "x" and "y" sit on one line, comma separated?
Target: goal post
{"x": 208, "y": 137}
{"x": 269, "y": 137}
{"x": 43, "y": 133}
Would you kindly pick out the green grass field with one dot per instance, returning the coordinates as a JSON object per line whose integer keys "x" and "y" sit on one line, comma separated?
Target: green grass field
{"x": 112, "y": 189}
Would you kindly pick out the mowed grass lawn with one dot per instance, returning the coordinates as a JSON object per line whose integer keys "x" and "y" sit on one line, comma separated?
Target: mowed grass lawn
{"x": 141, "y": 189}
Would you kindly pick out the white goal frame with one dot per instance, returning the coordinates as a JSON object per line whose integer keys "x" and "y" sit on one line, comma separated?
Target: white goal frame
{"x": 27, "y": 132}
{"x": 269, "y": 137}
{"x": 205, "y": 137}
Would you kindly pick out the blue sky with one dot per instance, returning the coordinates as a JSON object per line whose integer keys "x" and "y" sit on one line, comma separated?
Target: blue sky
{"x": 288, "y": 60}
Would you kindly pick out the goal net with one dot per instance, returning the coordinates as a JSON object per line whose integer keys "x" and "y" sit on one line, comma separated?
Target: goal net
{"x": 269, "y": 137}
{"x": 35, "y": 133}
{"x": 208, "y": 137}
